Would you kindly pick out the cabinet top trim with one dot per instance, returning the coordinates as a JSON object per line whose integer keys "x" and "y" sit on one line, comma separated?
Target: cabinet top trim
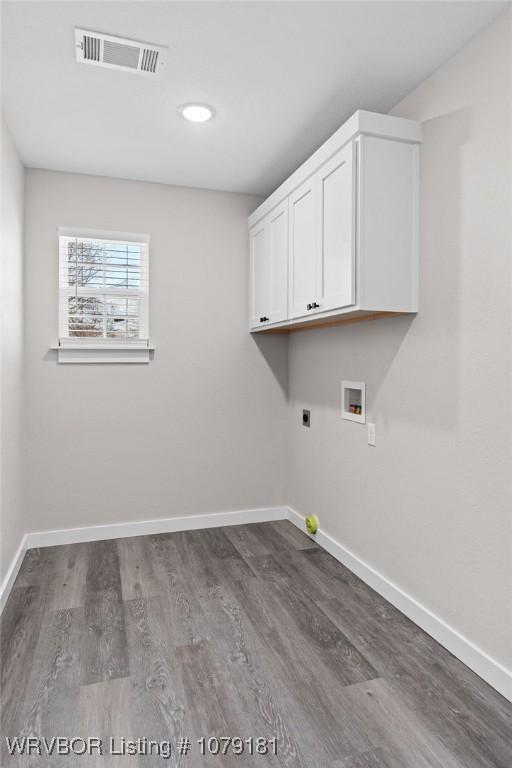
{"x": 361, "y": 122}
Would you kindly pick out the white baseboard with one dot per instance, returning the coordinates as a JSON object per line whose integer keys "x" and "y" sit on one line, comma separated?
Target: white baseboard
{"x": 146, "y": 527}
{"x": 12, "y": 572}
{"x": 473, "y": 657}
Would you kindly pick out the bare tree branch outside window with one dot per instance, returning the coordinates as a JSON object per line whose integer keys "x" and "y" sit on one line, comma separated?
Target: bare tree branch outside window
{"x": 105, "y": 267}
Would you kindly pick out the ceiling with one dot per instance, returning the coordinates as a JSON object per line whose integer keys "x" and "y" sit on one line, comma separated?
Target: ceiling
{"x": 282, "y": 77}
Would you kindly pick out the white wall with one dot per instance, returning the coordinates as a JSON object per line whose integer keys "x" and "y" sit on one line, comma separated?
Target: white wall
{"x": 11, "y": 379}
{"x": 431, "y": 506}
{"x": 199, "y": 429}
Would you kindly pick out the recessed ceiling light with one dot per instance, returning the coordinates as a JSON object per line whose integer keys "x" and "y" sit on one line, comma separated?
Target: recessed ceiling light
{"x": 196, "y": 113}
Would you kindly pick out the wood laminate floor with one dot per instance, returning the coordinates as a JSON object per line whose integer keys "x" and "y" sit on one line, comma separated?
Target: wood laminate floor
{"x": 242, "y": 631}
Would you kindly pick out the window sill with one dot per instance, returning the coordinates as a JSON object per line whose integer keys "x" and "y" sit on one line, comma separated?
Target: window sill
{"x": 107, "y": 352}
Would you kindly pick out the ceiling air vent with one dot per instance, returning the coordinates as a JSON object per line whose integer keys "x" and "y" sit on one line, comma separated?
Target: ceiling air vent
{"x": 118, "y": 52}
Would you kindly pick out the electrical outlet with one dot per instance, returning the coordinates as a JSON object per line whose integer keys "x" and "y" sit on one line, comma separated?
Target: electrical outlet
{"x": 371, "y": 434}
{"x": 306, "y": 418}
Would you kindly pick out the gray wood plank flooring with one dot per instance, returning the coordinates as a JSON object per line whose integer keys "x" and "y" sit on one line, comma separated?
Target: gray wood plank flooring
{"x": 244, "y": 631}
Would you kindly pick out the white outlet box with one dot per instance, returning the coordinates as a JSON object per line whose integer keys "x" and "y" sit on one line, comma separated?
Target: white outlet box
{"x": 371, "y": 434}
{"x": 353, "y": 401}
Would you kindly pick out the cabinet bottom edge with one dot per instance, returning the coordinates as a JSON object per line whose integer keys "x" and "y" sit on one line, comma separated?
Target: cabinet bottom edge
{"x": 326, "y": 322}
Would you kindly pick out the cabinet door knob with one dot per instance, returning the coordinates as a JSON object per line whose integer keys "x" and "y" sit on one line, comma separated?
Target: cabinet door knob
{"x": 314, "y": 305}
{"x": 263, "y": 319}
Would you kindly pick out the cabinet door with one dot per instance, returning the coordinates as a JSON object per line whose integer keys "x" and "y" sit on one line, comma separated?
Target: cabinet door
{"x": 278, "y": 245}
{"x": 260, "y": 280}
{"x": 304, "y": 251}
{"x": 337, "y": 190}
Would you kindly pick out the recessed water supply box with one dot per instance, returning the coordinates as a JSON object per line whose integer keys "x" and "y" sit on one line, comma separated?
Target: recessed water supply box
{"x": 353, "y": 401}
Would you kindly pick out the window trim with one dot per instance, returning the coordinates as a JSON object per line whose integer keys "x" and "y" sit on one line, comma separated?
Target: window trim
{"x": 101, "y": 350}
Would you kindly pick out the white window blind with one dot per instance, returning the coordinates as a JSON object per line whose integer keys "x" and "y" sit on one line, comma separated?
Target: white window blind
{"x": 104, "y": 285}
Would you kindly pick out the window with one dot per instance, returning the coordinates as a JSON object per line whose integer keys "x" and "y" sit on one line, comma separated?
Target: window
{"x": 103, "y": 286}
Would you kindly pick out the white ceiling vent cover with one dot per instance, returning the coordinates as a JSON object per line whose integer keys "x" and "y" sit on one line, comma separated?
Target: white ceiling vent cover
{"x": 118, "y": 52}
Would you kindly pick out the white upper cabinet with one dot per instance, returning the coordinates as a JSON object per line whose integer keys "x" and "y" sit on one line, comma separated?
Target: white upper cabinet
{"x": 337, "y": 191}
{"x": 322, "y": 238}
{"x": 338, "y": 241}
{"x": 278, "y": 246}
{"x": 260, "y": 280}
{"x": 269, "y": 268}
{"x": 304, "y": 274}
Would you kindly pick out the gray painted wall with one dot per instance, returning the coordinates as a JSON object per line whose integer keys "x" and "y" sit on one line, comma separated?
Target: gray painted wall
{"x": 11, "y": 364}
{"x": 199, "y": 429}
{"x": 430, "y": 506}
